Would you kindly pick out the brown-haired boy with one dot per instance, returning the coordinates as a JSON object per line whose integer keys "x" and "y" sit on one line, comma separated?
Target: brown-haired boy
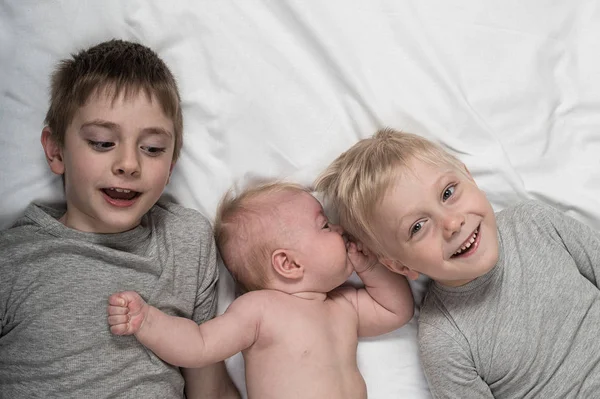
{"x": 114, "y": 132}
{"x": 514, "y": 306}
{"x": 297, "y": 328}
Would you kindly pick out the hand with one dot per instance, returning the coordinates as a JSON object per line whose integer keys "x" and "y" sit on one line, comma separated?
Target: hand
{"x": 127, "y": 312}
{"x": 361, "y": 258}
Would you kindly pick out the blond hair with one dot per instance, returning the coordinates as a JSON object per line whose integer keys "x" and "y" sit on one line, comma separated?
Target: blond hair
{"x": 246, "y": 231}
{"x": 112, "y": 67}
{"x": 356, "y": 182}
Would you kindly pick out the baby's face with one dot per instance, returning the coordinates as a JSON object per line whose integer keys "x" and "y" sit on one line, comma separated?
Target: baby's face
{"x": 317, "y": 244}
{"x": 436, "y": 221}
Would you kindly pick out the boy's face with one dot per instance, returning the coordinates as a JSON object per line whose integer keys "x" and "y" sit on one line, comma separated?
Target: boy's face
{"x": 116, "y": 161}
{"x": 315, "y": 243}
{"x": 436, "y": 221}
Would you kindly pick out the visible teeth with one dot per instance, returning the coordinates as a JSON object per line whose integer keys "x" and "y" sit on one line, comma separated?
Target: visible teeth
{"x": 120, "y": 190}
{"x": 468, "y": 244}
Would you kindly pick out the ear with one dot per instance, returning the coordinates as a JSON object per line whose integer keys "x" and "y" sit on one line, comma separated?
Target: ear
{"x": 171, "y": 171}
{"x": 53, "y": 151}
{"x": 397, "y": 267}
{"x": 285, "y": 266}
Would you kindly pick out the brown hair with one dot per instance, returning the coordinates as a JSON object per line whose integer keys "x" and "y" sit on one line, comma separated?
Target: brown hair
{"x": 246, "y": 232}
{"x": 116, "y": 67}
{"x": 356, "y": 182}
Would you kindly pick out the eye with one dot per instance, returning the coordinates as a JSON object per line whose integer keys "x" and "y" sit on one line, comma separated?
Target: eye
{"x": 326, "y": 225}
{"x": 448, "y": 192}
{"x": 101, "y": 145}
{"x": 416, "y": 228}
{"x": 153, "y": 151}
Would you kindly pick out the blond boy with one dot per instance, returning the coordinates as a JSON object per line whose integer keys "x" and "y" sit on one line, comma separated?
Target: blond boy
{"x": 297, "y": 328}
{"x": 514, "y": 306}
{"x": 113, "y": 132}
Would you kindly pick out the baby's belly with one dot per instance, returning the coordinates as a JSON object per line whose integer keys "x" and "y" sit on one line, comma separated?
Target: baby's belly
{"x": 311, "y": 375}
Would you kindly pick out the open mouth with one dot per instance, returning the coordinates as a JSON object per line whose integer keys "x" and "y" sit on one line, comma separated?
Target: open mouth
{"x": 469, "y": 246}
{"x": 120, "y": 194}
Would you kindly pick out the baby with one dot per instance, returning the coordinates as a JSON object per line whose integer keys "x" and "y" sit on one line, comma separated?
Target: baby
{"x": 298, "y": 326}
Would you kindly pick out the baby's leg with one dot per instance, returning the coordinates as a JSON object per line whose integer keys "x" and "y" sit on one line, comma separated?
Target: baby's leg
{"x": 126, "y": 312}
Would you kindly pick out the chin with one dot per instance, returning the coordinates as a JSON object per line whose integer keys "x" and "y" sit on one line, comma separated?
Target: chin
{"x": 120, "y": 225}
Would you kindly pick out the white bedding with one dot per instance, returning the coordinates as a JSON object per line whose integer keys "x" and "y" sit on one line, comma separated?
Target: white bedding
{"x": 280, "y": 88}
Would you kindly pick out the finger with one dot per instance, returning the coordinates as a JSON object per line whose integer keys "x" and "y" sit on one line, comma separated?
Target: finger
{"x": 117, "y": 300}
{"x": 352, "y": 247}
{"x": 114, "y": 310}
{"x": 119, "y": 329}
{"x": 118, "y": 319}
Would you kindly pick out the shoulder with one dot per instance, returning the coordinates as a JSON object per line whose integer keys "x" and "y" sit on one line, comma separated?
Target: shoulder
{"x": 432, "y": 310}
{"x": 435, "y": 318}
{"x": 345, "y": 294}
{"x": 25, "y": 228}
{"x": 172, "y": 214}
{"x": 528, "y": 211}
{"x": 259, "y": 302}
{"x": 527, "y": 208}
{"x": 438, "y": 332}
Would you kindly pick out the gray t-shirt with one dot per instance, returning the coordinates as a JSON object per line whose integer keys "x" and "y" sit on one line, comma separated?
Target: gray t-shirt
{"x": 54, "y": 286}
{"x": 528, "y": 328}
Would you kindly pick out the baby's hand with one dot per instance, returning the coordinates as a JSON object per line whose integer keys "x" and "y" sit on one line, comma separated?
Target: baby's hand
{"x": 126, "y": 312}
{"x": 362, "y": 259}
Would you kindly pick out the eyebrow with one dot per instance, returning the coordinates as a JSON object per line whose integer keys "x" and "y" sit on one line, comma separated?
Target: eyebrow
{"x": 101, "y": 123}
{"x": 115, "y": 127}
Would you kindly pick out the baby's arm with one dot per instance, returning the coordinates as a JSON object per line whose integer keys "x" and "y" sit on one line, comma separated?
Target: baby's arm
{"x": 180, "y": 341}
{"x": 386, "y": 302}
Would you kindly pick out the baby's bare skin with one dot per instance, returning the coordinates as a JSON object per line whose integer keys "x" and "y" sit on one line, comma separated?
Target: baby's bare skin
{"x": 299, "y": 335}
{"x": 309, "y": 352}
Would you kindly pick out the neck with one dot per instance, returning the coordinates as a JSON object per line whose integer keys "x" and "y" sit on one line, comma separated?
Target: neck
{"x": 311, "y": 295}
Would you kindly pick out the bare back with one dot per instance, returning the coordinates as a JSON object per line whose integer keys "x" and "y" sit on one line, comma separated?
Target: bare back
{"x": 304, "y": 349}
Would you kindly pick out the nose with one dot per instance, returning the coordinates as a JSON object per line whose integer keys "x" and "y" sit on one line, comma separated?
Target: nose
{"x": 126, "y": 162}
{"x": 452, "y": 223}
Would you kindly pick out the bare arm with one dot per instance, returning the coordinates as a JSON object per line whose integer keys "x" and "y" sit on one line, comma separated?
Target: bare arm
{"x": 385, "y": 303}
{"x": 209, "y": 382}
{"x": 180, "y": 341}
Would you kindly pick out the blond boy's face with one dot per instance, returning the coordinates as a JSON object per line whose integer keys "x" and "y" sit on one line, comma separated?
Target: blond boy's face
{"x": 116, "y": 161}
{"x": 436, "y": 221}
{"x": 316, "y": 244}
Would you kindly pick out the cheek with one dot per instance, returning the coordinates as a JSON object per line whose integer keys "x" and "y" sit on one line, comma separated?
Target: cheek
{"x": 78, "y": 171}
{"x": 161, "y": 171}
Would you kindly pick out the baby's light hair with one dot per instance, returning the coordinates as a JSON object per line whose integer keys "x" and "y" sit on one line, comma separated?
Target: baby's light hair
{"x": 246, "y": 232}
{"x": 356, "y": 182}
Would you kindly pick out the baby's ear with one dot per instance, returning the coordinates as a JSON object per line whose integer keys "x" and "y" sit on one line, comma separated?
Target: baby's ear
{"x": 53, "y": 152}
{"x": 284, "y": 265}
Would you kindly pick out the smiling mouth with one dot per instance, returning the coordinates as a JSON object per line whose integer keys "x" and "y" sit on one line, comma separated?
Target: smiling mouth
{"x": 121, "y": 194}
{"x": 469, "y": 245}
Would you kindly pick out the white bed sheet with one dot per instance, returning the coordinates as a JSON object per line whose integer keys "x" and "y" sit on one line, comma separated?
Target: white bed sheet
{"x": 280, "y": 88}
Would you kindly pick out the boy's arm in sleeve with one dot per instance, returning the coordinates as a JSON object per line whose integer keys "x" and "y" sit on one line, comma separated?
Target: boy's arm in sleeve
{"x": 209, "y": 382}
{"x": 385, "y": 303}
{"x": 448, "y": 367}
{"x": 580, "y": 240}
